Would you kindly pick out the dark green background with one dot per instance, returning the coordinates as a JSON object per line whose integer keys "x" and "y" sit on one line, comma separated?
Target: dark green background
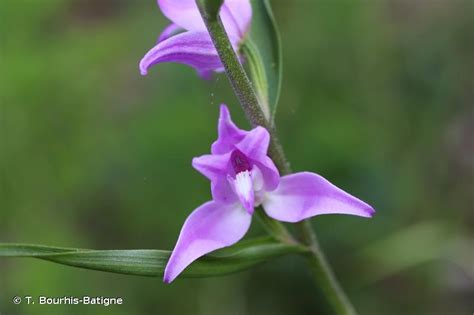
{"x": 377, "y": 97}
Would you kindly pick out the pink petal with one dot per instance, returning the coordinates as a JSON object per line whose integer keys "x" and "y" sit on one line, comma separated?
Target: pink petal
{"x": 255, "y": 143}
{"x": 168, "y": 32}
{"x": 212, "y": 166}
{"x": 228, "y": 133}
{"x": 209, "y": 227}
{"x": 216, "y": 167}
{"x": 270, "y": 174}
{"x": 191, "y": 48}
{"x": 235, "y": 14}
{"x": 222, "y": 190}
{"x": 303, "y": 195}
{"x": 183, "y": 13}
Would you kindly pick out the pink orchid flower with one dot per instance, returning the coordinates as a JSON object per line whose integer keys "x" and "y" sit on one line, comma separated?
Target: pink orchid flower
{"x": 243, "y": 177}
{"x": 186, "y": 39}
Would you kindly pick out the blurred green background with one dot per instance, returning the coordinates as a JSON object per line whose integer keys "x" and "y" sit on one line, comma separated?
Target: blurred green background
{"x": 377, "y": 97}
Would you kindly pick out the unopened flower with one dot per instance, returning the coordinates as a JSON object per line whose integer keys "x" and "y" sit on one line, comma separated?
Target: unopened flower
{"x": 186, "y": 39}
{"x": 243, "y": 177}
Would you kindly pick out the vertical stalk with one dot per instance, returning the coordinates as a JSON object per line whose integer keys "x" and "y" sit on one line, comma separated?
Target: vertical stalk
{"x": 242, "y": 85}
{"x": 248, "y": 99}
{"x": 323, "y": 274}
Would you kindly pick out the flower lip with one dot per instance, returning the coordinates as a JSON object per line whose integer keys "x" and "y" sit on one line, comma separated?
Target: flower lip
{"x": 243, "y": 188}
{"x": 240, "y": 162}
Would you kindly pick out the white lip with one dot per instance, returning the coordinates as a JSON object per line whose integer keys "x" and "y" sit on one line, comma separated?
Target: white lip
{"x": 243, "y": 187}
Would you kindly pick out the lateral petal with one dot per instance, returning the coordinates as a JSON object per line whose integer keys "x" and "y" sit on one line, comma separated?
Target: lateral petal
{"x": 184, "y": 13}
{"x": 194, "y": 49}
{"x": 168, "y": 32}
{"x": 270, "y": 174}
{"x": 235, "y": 15}
{"x": 255, "y": 143}
{"x": 216, "y": 167}
{"x": 212, "y": 166}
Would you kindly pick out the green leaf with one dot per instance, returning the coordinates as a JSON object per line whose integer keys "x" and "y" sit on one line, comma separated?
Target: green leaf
{"x": 263, "y": 52}
{"x": 150, "y": 262}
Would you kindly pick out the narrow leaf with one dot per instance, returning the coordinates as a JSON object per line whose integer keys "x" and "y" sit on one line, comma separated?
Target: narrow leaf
{"x": 149, "y": 262}
{"x": 263, "y": 52}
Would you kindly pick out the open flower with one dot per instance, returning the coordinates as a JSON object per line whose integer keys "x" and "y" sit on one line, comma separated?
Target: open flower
{"x": 243, "y": 177}
{"x": 186, "y": 39}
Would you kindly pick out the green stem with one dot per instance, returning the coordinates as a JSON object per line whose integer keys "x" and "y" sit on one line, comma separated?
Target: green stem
{"x": 275, "y": 228}
{"x": 323, "y": 273}
{"x": 249, "y": 101}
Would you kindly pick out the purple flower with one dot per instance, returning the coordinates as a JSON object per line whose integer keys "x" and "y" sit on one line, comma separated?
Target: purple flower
{"x": 243, "y": 177}
{"x": 186, "y": 39}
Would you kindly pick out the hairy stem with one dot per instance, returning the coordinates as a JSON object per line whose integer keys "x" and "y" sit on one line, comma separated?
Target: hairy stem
{"x": 249, "y": 101}
{"x": 242, "y": 85}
